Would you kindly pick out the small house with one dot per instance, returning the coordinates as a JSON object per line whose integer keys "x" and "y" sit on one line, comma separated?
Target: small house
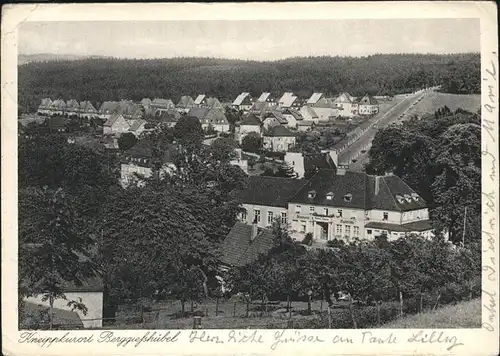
{"x": 278, "y": 139}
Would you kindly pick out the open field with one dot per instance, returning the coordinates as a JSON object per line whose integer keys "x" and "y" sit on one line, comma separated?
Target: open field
{"x": 435, "y": 100}
{"x": 461, "y": 315}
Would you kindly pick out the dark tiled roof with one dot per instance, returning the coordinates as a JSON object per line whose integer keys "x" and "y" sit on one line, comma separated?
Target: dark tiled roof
{"x": 199, "y": 113}
{"x": 422, "y": 225}
{"x": 390, "y": 188}
{"x": 269, "y": 191}
{"x": 278, "y": 116}
{"x": 279, "y": 131}
{"x": 238, "y": 250}
{"x": 318, "y": 161}
{"x": 171, "y": 115}
{"x": 250, "y": 119}
{"x": 326, "y": 181}
{"x": 144, "y": 150}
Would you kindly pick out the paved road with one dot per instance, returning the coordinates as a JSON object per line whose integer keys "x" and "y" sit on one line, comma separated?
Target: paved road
{"x": 356, "y": 148}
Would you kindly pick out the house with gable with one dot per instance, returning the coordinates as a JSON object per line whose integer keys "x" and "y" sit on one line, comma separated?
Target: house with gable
{"x": 137, "y": 127}
{"x": 159, "y": 105}
{"x": 278, "y": 139}
{"x": 303, "y": 163}
{"x": 200, "y": 101}
{"x": 108, "y": 108}
{"x": 214, "y": 103}
{"x": 185, "y": 104}
{"x": 168, "y": 117}
{"x": 268, "y": 98}
{"x": 368, "y": 105}
{"x": 72, "y": 107}
{"x": 315, "y": 97}
{"x": 274, "y": 118}
{"x": 244, "y": 244}
{"x": 137, "y": 163}
{"x": 250, "y": 123}
{"x": 45, "y": 107}
{"x": 287, "y": 100}
{"x": 326, "y": 109}
{"x": 293, "y": 117}
{"x": 243, "y": 102}
{"x": 116, "y": 125}
{"x": 346, "y": 104}
{"x": 211, "y": 118}
{"x": 87, "y": 110}
{"x": 58, "y": 107}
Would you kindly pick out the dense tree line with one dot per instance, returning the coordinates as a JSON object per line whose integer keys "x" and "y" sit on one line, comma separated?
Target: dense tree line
{"x": 439, "y": 156}
{"x": 103, "y": 79}
{"x": 410, "y": 269}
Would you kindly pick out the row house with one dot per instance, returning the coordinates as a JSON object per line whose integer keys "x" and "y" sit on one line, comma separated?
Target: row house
{"x": 45, "y": 107}
{"x": 278, "y": 139}
{"x": 287, "y": 100}
{"x": 243, "y": 102}
{"x": 185, "y": 104}
{"x": 347, "y": 105}
{"x": 338, "y": 205}
{"x": 268, "y": 98}
{"x": 71, "y": 107}
{"x": 159, "y": 105}
{"x": 202, "y": 101}
{"x": 117, "y": 124}
{"x": 326, "y": 109}
{"x": 127, "y": 108}
{"x": 315, "y": 97}
{"x": 208, "y": 117}
{"x": 168, "y": 118}
{"x": 368, "y": 105}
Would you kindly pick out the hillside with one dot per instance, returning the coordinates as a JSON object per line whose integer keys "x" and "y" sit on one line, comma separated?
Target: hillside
{"x": 436, "y": 100}
{"x": 114, "y": 79}
{"x": 46, "y": 57}
{"x": 462, "y": 315}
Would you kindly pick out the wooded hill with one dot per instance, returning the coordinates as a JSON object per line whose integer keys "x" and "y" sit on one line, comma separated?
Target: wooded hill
{"x": 100, "y": 79}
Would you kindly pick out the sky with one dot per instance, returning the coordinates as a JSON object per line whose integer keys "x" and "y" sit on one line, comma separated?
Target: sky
{"x": 257, "y": 40}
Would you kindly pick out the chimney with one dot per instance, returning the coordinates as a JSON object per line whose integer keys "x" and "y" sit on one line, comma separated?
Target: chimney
{"x": 377, "y": 184}
{"x": 253, "y": 234}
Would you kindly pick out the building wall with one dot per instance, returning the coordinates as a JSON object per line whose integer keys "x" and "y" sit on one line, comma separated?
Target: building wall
{"x": 278, "y": 144}
{"x": 326, "y": 113}
{"x": 292, "y": 122}
{"x": 270, "y": 122}
{"x": 304, "y": 218}
{"x": 92, "y": 300}
{"x": 296, "y": 160}
{"x": 368, "y": 109}
{"x": 119, "y": 126}
{"x": 264, "y": 211}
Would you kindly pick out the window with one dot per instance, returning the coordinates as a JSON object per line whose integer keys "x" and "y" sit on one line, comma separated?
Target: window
{"x": 339, "y": 213}
{"x": 348, "y": 197}
{"x": 329, "y": 196}
{"x": 386, "y": 216}
{"x": 369, "y": 232}
{"x": 311, "y": 209}
{"x": 270, "y": 215}
{"x": 244, "y": 216}
{"x": 303, "y": 227}
{"x": 283, "y": 218}
{"x": 356, "y": 230}
{"x": 298, "y": 208}
{"x": 325, "y": 210}
{"x": 311, "y": 194}
{"x": 256, "y": 214}
{"x": 339, "y": 229}
{"x": 348, "y": 231}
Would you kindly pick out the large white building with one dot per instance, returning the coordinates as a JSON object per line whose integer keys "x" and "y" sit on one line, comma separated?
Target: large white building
{"x": 337, "y": 204}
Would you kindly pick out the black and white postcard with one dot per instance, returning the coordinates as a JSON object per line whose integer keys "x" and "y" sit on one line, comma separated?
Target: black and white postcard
{"x": 257, "y": 178}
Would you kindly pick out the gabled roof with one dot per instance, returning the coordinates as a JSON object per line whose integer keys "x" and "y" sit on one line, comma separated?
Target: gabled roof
{"x": 344, "y": 98}
{"x": 314, "y": 98}
{"x": 170, "y": 115}
{"x": 109, "y": 107}
{"x": 136, "y": 124}
{"x": 250, "y": 120}
{"x": 239, "y": 250}
{"x": 199, "y": 99}
{"x": 199, "y": 113}
{"x": 287, "y": 99}
{"x": 46, "y": 103}
{"x": 310, "y": 111}
{"x": 72, "y": 104}
{"x": 58, "y": 104}
{"x": 393, "y": 194}
{"x": 279, "y": 131}
{"x": 86, "y": 106}
{"x": 162, "y": 103}
{"x": 263, "y": 97}
{"x": 293, "y": 113}
{"x": 144, "y": 150}
{"x": 326, "y": 103}
{"x": 278, "y": 115}
{"x": 269, "y": 191}
{"x": 214, "y": 103}
{"x": 185, "y": 102}
{"x": 114, "y": 118}
{"x": 368, "y": 100}
{"x": 239, "y": 99}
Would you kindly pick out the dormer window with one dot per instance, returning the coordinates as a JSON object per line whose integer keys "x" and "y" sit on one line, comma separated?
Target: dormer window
{"x": 400, "y": 199}
{"x": 407, "y": 198}
{"x": 415, "y": 196}
{"x": 348, "y": 197}
{"x": 311, "y": 194}
{"x": 329, "y": 196}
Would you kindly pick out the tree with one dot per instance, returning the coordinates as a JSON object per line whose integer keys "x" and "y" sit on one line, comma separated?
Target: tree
{"x": 126, "y": 141}
{"x": 458, "y": 181}
{"x": 54, "y": 246}
{"x": 188, "y": 131}
{"x": 224, "y": 148}
{"x": 252, "y": 142}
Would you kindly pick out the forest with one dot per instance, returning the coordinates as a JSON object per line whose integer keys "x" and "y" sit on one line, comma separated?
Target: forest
{"x": 100, "y": 79}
